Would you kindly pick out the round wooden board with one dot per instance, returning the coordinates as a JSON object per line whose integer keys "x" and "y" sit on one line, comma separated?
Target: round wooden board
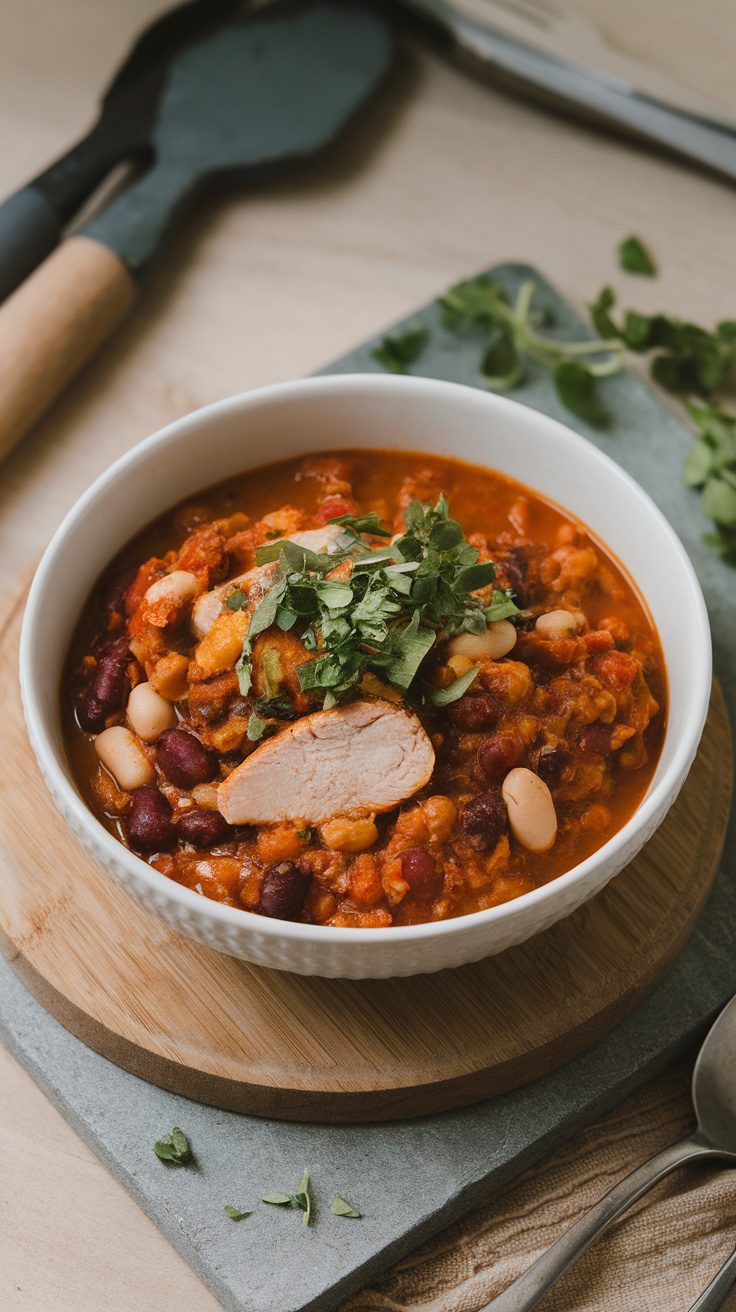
{"x": 270, "y": 1044}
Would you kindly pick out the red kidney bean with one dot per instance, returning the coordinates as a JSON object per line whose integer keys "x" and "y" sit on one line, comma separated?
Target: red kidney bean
{"x": 419, "y": 869}
{"x": 108, "y": 692}
{"x": 149, "y": 822}
{"x": 283, "y": 891}
{"x": 202, "y": 828}
{"x": 483, "y": 819}
{"x": 511, "y": 571}
{"x": 184, "y": 759}
{"x": 115, "y": 589}
{"x": 474, "y": 711}
{"x": 552, "y": 763}
{"x": 595, "y": 740}
{"x": 498, "y": 754}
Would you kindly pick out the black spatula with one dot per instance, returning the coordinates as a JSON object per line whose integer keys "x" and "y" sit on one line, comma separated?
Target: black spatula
{"x": 33, "y": 219}
{"x": 261, "y": 90}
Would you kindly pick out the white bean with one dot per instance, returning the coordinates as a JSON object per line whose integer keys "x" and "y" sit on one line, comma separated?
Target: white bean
{"x": 557, "y": 624}
{"x": 497, "y": 641}
{"x": 530, "y": 809}
{"x": 177, "y": 588}
{"x": 121, "y": 753}
{"x": 149, "y": 713}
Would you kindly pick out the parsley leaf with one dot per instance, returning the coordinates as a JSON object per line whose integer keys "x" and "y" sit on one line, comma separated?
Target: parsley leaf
{"x": 300, "y": 1200}
{"x": 339, "y": 1207}
{"x": 256, "y": 728}
{"x": 235, "y": 1213}
{"x": 398, "y": 350}
{"x": 443, "y": 696}
{"x": 634, "y": 257}
{"x": 174, "y": 1150}
{"x": 576, "y": 388}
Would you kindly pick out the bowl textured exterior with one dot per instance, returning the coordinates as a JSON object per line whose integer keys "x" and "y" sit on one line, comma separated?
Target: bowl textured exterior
{"x": 365, "y": 411}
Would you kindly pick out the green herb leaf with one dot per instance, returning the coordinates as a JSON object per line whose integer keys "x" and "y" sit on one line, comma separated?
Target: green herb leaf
{"x": 370, "y": 523}
{"x": 235, "y": 1213}
{"x": 339, "y": 1207}
{"x": 443, "y": 696}
{"x": 577, "y": 389}
{"x": 256, "y": 728}
{"x": 175, "y": 1150}
{"x": 600, "y": 313}
{"x": 306, "y": 834}
{"x": 501, "y": 365}
{"x": 502, "y": 607}
{"x": 301, "y": 1200}
{"x": 634, "y": 257}
{"x": 719, "y": 500}
{"x": 237, "y": 600}
{"x": 399, "y": 350}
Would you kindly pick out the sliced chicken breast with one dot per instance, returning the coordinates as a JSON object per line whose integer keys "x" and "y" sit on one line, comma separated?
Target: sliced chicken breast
{"x": 352, "y": 760}
{"x": 257, "y": 581}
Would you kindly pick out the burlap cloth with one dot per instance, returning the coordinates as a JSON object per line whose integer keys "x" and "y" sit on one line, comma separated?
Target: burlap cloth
{"x": 657, "y": 1258}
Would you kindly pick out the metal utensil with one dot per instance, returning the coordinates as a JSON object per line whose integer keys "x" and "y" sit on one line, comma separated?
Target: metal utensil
{"x": 262, "y": 89}
{"x": 718, "y": 1289}
{"x": 32, "y": 220}
{"x": 590, "y": 91}
{"x": 714, "y": 1099}
{"x": 576, "y": 38}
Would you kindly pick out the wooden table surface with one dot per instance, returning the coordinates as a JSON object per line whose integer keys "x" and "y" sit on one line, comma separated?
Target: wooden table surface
{"x": 446, "y": 176}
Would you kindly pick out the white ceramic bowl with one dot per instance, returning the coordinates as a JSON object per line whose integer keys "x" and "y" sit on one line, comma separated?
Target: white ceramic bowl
{"x": 364, "y": 411}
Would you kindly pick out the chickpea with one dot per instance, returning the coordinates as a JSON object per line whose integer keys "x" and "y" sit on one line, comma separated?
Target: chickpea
{"x": 149, "y": 713}
{"x": 279, "y": 843}
{"x": 121, "y": 753}
{"x": 440, "y": 815}
{"x": 557, "y": 624}
{"x": 497, "y": 641}
{"x": 345, "y": 835}
{"x": 169, "y": 676}
{"x": 459, "y": 664}
{"x": 530, "y": 810}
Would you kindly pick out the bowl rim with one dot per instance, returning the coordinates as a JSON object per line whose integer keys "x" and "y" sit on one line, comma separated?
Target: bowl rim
{"x": 70, "y": 802}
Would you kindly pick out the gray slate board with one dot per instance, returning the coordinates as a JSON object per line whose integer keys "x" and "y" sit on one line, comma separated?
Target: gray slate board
{"x": 413, "y": 1178}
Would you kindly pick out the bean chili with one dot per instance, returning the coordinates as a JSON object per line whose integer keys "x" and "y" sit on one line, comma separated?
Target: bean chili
{"x": 543, "y": 757}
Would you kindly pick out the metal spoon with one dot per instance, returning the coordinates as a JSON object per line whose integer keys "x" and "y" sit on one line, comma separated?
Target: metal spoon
{"x": 719, "y": 1288}
{"x": 714, "y": 1099}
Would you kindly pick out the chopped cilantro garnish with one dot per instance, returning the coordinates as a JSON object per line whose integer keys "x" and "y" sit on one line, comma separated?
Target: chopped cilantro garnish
{"x": 391, "y": 610}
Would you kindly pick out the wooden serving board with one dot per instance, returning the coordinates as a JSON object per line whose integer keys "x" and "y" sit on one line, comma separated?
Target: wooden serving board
{"x": 243, "y": 1038}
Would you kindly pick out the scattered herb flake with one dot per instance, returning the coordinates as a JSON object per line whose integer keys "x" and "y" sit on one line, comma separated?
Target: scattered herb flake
{"x": 301, "y": 1200}
{"x": 339, "y": 1207}
{"x": 634, "y": 257}
{"x": 175, "y": 1150}
{"x": 397, "y": 351}
{"x": 235, "y": 1213}
{"x": 256, "y": 728}
{"x": 306, "y": 834}
{"x": 443, "y": 696}
{"x": 237, "y": 600}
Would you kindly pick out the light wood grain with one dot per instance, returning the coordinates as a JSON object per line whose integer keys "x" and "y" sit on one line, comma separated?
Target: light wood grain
{"x": 273, "y": 1044}
{"x": 448, "y": 177}
{"x": 52, "y": 325}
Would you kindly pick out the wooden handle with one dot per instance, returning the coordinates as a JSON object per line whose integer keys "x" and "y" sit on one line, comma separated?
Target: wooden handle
{"x": 51, "y": 326}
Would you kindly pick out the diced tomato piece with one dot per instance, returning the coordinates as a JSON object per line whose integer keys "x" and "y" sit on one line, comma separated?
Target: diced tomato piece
{"x": 597, "y": 641}
{"x": 333, "y": 507}
{"x": 617, "y": 669}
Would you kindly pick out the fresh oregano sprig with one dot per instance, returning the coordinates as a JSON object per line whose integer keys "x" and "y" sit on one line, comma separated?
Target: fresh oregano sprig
{"x": 300, "y": 1200}
{"x": 513, "y": 338}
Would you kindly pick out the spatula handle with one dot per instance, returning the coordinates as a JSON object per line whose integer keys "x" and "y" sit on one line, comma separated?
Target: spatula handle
{"x": 52, "y": 325}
